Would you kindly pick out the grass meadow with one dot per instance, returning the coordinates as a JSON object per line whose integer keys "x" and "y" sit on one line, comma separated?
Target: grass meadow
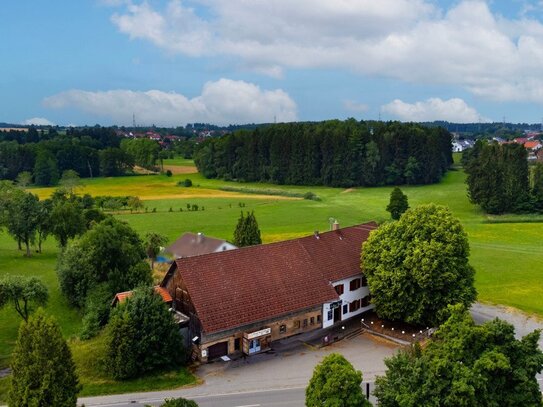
{"x": 506, "y": 251}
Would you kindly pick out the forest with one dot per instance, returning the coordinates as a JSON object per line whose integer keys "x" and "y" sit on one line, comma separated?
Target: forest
{"x": 332, "y": 153}
{"x": 43, "y": 156}
{"x": 500, "y": 179}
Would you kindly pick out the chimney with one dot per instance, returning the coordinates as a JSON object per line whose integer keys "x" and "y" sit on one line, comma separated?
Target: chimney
{"x": 200, "y": 237}
{"x": 335, "y": 225}
{"x": 316, "y": 233}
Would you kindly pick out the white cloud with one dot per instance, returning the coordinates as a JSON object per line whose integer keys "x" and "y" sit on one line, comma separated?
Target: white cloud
{"x": 410, "y": 40}
{"x": 356, "y": 107}
{"x": 38, "y": 121}
{"x": 452, "y": 110}
{"x": 222, "y": 102}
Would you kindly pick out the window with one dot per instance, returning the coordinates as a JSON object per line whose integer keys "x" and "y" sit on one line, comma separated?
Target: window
{"x": 282, "y": 329}
{"x": 312, "y": 321}
{"x": 365, "y": 301}
{"x": 318, "y": 319}
{"x": 297, "y": 324}
{"x": 355, "y": 284}
{"x": 345, "y": 308}
{"x": 364, "y": 281}
{"x": 354, "y": 306}
{"x": 330, "y": 315}
{"x": 305, "y": 322}
{"x": 339, "y": 289}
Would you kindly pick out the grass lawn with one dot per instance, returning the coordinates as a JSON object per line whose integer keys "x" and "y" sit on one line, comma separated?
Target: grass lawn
{"x": 96, "y": 382}
{"x": 505, "y": 251}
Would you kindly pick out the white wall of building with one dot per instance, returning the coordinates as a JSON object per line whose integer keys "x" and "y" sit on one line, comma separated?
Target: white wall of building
{"x": 225, "y": 246}
{"x": 347, "y": 298}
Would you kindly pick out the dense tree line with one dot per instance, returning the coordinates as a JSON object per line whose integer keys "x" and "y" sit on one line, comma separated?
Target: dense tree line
{"x": 90, "y": 152}
{"x": 333, "y": 153}
{"x": 500, "y": 180}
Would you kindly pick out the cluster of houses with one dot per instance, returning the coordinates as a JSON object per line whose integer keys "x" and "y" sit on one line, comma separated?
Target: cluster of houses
{"x": 532, "y": 142}
{"x": 238, "y": 301}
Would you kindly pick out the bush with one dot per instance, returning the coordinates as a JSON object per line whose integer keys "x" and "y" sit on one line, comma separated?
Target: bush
{"x": 311, "y": 196}
{"x": 186, "y": 183}
{"x": 168, "y": 173}
{"x": 179, "y": 402}
{"x": 97, "y": 308}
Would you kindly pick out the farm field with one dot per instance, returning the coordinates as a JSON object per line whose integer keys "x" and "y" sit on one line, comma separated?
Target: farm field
{"x": 508, "y": 257}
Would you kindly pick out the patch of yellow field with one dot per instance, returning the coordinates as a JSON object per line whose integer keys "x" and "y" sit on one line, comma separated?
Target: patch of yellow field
{"x": 158, "y": 191}
{"x": 213, "y": 193}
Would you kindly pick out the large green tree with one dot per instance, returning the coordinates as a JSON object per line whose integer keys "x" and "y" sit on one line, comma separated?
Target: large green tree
{"x": 111, "y": 252}
{"x": 142, "y": 336}
{"x": 419, "y": 265}
{"x": 465, "y": 365}
{"x": 23, "y": 293}
{"x": 247, "y": 232}
{"x": 398, "y": 203}
{"x": 335, "y": 383}
{"x": 66, "y": 221}
{"x": 43, "y": 372}
{"x": 23, "y": 218}
{"x": 144, "y": 151}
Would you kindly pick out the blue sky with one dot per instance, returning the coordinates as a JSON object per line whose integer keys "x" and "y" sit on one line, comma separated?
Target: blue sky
{"x": 170, "y": 62}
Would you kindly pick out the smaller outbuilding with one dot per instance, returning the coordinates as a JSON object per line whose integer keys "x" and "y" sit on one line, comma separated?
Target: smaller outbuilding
{"x": 190, "y": 244}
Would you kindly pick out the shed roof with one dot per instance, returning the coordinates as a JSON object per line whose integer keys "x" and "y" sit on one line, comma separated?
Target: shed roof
{"x": 190, "y": 244}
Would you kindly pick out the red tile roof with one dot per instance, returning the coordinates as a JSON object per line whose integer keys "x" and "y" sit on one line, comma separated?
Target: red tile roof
{"x": 532, "y": 144}
{"x": 121, "y": 297}
{"x": 252, "y": 284}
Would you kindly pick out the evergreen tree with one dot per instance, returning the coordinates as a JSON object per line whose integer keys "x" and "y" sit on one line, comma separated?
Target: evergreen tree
{"x": 335, "y": 382}
{"x": 43, "y": 372}
{"x": 398, "y": 203}
{"x": 247, "y": 232}
{"x": 537, "y": 187}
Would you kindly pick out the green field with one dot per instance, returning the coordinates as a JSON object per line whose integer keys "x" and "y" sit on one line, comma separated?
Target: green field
{"x": 508, "y": 256}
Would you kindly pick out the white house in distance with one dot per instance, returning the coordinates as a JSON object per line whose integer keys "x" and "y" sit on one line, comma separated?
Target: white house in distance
{"x": 190, "y": 244}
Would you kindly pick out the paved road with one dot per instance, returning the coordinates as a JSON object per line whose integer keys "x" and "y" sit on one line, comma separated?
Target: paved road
{"x": 248, "y": 383}
{"x": 288, "y": 397}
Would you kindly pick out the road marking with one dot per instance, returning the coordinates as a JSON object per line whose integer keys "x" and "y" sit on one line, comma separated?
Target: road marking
{"x": 250, "y": 405}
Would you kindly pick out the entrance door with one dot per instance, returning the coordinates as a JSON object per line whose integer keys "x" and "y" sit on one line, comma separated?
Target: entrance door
{"x": 254, "y": 346}
{"x": 217, "y": 350}
{"x": 337, "y": 314}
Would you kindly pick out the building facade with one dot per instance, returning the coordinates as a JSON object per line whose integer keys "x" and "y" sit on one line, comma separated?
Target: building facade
{"x": 241, "y": 301}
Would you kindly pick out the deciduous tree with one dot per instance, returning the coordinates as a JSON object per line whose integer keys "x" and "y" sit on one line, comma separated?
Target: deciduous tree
{"x": 23, "y": 216}
{"x": 43, "y": 372}
{"x": 418, "y": 265}
{"x": 23, "y": 293}
{"x": 66, "y": 221}
{"x": 335, "y": 383}
{"x": 465, "y": 365}
{"x": 153, "y": 243}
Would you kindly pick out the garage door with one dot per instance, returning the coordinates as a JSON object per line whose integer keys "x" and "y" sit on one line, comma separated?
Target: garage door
{"x": 217, "y": 350}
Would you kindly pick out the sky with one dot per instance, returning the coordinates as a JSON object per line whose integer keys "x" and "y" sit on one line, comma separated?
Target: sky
{"x": 173, "y": 62}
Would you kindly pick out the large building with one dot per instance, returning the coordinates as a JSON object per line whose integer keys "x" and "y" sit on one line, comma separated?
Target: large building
{"x": 240, "y": 301}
